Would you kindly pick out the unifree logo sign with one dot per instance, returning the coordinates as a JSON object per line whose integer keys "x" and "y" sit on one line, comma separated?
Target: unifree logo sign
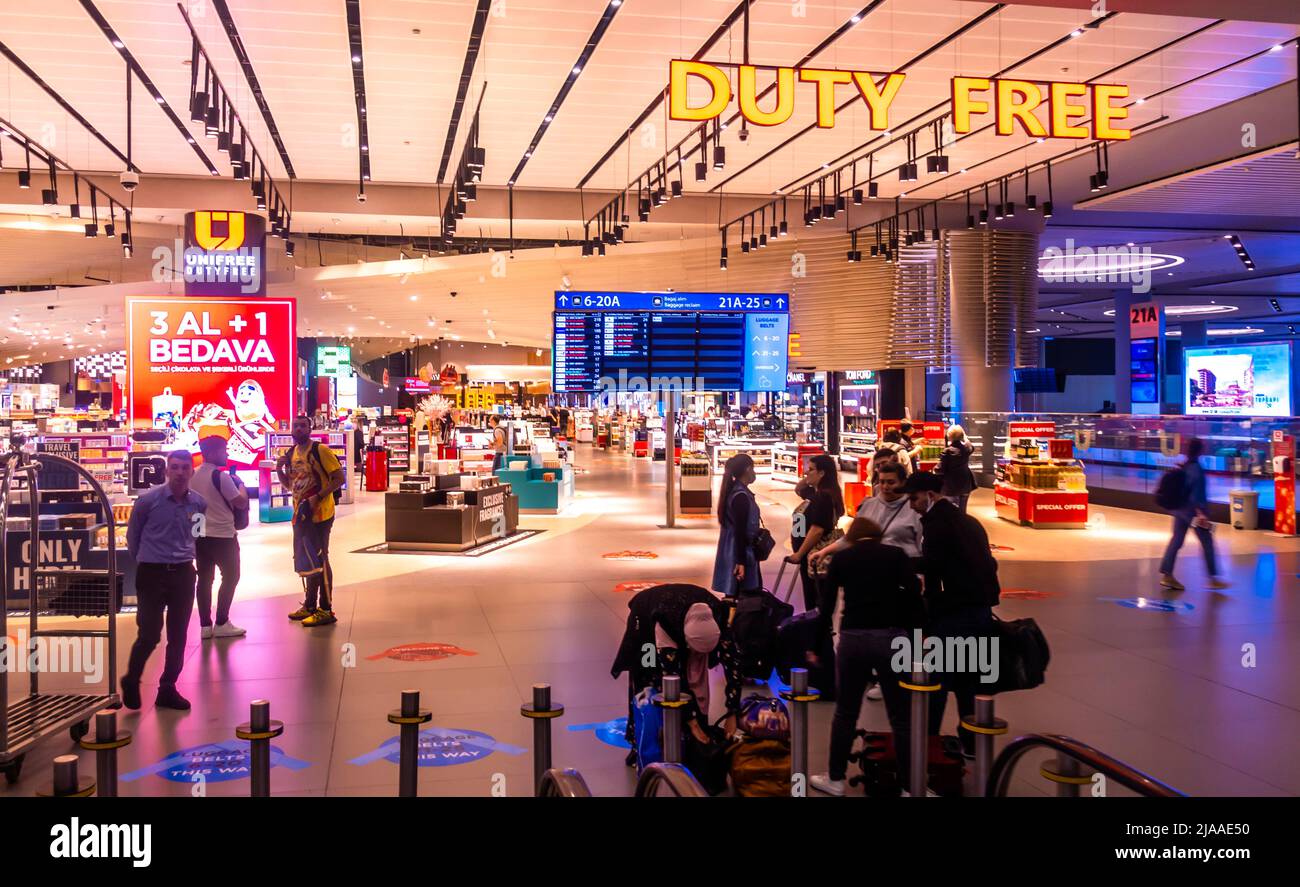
{"x": 224, "y": 253}
{"x": 219, "y": 230}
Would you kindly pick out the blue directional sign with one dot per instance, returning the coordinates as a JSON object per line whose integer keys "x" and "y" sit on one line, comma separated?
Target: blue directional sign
{"x": 612, "y": 732}
{"x": 598, "y": 301}
{"x": 1156, "y": 604}
{"x": 442, "y": 747}
{"x": 215, "y": 762}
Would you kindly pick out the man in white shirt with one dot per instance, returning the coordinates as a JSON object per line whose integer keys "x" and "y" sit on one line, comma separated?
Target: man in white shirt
{"x": 218, "y": 545}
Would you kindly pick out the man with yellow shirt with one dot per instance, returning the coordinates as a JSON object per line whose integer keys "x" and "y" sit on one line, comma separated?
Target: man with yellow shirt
{"x": 312, "y": 471}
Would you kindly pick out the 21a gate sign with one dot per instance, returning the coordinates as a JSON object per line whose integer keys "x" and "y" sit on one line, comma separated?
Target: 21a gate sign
{"x": 1144, "y": 321}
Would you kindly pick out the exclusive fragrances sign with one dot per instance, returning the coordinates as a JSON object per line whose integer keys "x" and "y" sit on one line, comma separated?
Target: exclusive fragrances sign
{"x": 1042, "y": 110}
{"x": 225, "y": 254}
{"x": 205, "y": 366}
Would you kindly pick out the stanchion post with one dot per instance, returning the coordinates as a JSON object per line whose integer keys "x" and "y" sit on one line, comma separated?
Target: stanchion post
{"x": 259, "y": 730}
{"x": 672, "y": 699}
{"x": 66, "y": 783}
{"x": 105, "y": 743}
{"x": 919, "y": 765}
{"x": 409, "y": 718}
{"x": 542, "y": 710}
{"x": 1068, "y": 767}
{"x": 799, "y": 695}
{"x": 985, "y": 726}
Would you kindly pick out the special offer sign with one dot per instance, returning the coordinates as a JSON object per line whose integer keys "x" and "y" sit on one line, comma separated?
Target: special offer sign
{"x": 203, "y": 366}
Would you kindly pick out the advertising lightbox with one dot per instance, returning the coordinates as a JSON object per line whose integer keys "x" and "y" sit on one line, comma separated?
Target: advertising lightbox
{"x": 334, "y": 360}
{"x": 202, "y": 366}
{"x": 1237, "y": 380}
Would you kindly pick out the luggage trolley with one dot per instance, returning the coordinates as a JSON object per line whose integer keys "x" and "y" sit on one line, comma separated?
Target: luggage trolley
{"x": 27, "y": 720}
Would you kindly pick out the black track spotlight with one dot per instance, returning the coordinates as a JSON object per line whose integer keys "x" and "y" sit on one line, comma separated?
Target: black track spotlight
{"x": 586, "y": 248}
{"x": 675, "y": 187}
{"x": 92, "y": 230}
{"x": 873, "y": 190}
{"x": 1031, "y": 203}
{"x": 1011, "y": 209}
{"x": 701, "y": 171}
{"x": 984, "y": 217}
{"x": 288, "y": 248}
{"x": 128, "y": 248}
{"x": 857, "y": 197}
{"x": 1092, "y": 183}
{"x": 774, "y": 232}
{"x": 719, "y": 157}
{"x": 784, "y": 228}
{"x": 24, "y": 179}
{"x": 1047, "y": 209}
{"x": 471, "y": 192}
{"x": 970, "y": 221}
{"x": 744, "y": 246}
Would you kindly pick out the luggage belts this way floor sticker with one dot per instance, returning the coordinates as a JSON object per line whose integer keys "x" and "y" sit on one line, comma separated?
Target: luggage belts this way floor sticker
{"x": 215, "y": 762}
{"x": 612, "y": 732}
{"x": 442, "y": 747}
{"x": 1147, "y": 603}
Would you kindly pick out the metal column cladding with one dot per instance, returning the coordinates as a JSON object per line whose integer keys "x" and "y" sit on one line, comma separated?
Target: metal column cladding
{"x": 993, "y": 294}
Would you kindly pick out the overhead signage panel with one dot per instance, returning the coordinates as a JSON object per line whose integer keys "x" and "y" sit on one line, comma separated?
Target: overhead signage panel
{"x": 603, "y": 301}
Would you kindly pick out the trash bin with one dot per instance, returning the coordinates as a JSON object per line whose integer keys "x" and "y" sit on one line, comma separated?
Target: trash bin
{"x": 1244, "y": 508}
{"x": 376, "y": 469}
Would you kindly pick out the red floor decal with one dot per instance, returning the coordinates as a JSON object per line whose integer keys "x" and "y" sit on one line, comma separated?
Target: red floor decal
{"x": 1026, "y": 594}
{"x": 1000, "y": 548}
{"x": 634, "y": 586}
{"x": 422, "y": 652}
{"x": 630, "y": 556}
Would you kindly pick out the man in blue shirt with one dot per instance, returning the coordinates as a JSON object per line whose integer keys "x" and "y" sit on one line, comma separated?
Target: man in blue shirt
{"x": 160, "y": 535}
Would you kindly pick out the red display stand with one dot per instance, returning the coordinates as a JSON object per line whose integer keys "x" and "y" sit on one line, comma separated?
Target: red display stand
{"x": 1283, "y": 483}
{"x": 640, "y": 448}
{"x": 377, "y": 471}
{"x": 447, "y": 451}
{"x": 1059, "y": 509}
{"x": 855, "y": 493}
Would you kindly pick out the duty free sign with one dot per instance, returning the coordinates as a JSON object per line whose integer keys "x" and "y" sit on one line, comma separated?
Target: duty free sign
{"x": 1055, "y": 109}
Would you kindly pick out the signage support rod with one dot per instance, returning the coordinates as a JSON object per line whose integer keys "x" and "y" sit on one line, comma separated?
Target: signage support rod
{"x": 670, "y": 452}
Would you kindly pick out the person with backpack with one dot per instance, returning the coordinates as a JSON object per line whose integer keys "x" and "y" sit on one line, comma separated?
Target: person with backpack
{"x": 961, "y": 589}
{"x": 735, "y": 566}
{"x": 882, "y": 601}
{"x": 954, "y": 468}
{"x": 1182, "y": 492}
{"x": 218, "y": 546}
{"x": 314, "y": 474}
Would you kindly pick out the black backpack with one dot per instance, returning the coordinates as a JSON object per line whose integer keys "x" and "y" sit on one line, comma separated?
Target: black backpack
{"x": 240, "y": 515}
{"x": 1023, "y": 655}
{"x": 1171, "y": 491}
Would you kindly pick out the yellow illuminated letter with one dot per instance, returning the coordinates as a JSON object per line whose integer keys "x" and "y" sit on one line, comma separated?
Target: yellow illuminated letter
{"x": 747, "y": 94}
{"x": 1017, "y": 100}
{"x": 678, "y": 73}
{"x": 1103, "y": 112}
{"x": 963, "y": 105}
{"x": 878, "y": 99}
{"x": 1063, "y": 111}
{"x": 826, "y": 82}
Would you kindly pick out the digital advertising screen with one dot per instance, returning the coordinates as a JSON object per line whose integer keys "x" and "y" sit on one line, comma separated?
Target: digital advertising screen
{"x": 1238, "y": 380}
{"x": 705, "y": 341}
{"x": 334, "y": 360}
{"x": 200, "y": 366}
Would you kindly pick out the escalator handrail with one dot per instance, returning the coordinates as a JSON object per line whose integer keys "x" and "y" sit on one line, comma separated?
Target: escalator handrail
{"x": 680, "y": 781}
{"x": 558, "y": 783}
{"x": 1128, "y": 776}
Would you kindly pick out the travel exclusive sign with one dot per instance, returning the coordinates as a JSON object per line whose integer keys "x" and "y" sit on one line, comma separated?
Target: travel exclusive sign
{"x": 1061, "y": 110}
{"x": 212, "y": 366}
{"x": 225, "y": 254}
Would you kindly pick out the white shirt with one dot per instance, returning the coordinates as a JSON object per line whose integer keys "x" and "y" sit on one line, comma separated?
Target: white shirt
{"x": 901, "y": 524}
{"x": 220, "y": 518}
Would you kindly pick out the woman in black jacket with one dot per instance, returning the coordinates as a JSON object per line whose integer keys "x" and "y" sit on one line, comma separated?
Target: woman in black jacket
{"x": 686, "y": 627}
{"x": 954, "y": 468}
{"x": 735, "y": 565}
{"x": 814, "y": 519}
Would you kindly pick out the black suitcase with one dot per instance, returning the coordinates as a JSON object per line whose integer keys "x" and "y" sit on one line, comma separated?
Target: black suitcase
{"x": 879, "y": 778}
{"x": 795, "y": 637}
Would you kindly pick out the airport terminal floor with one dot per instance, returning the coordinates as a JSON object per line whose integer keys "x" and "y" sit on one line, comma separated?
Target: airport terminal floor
{"x": 1167, "y": 689}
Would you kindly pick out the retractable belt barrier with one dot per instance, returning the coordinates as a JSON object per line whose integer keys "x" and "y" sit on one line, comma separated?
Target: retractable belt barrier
{"x": 409, "y": 718}
{"x": 259, "y": 730}
{"x": 541, "y": 711}
{"x": 985, "y": 726}
{"x": 799, "y": 696}
{"x": 671, "y": 701}
{"x": 105, "y": 744}
{"x": 920, "y": 686}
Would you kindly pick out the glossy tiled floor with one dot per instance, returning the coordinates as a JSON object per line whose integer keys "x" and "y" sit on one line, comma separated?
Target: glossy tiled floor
{"x": 1165, "y": 691}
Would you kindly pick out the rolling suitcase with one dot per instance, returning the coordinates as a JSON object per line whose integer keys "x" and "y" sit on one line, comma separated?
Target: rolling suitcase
{"x": 879, "y": 777}
{"x": 795, "y": 637}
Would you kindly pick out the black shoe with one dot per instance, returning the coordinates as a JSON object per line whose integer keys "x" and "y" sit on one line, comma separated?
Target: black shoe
{"x": 630, "y": 760}
{"x": 169, "y": 698}
{"x": 131, "y": 694}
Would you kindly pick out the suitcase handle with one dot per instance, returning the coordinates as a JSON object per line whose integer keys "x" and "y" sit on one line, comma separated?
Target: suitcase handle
{"x": 776, "y": 586}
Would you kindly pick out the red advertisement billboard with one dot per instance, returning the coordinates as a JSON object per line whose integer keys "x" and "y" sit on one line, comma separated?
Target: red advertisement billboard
{"x": 201, "y": 366}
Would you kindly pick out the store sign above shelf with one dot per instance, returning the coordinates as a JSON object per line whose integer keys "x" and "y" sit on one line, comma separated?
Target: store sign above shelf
{"x": 225, "y": 253}
{"x": 1015, "y": 105}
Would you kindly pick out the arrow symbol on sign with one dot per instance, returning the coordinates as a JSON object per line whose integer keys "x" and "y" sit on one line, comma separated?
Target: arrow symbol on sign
{"x": 564, "y": 300}
{"x": 780, "y": 303}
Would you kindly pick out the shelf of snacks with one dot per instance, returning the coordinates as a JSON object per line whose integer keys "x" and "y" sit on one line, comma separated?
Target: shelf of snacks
{"x": 1043, "y": 489}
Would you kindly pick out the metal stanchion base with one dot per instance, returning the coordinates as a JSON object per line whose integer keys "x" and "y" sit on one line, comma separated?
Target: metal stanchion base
{"x": 246, "y": 731}
{"x": 85, "y": 788}
{"x": 423, "y": 716}
{"x": 528, "y": 710}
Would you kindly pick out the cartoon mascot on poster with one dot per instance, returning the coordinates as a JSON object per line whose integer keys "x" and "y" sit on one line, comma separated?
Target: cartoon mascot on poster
{"x": 244, "y": 427}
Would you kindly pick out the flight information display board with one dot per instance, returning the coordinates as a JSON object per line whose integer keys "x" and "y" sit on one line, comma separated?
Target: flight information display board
{"x": 642, "y": 341}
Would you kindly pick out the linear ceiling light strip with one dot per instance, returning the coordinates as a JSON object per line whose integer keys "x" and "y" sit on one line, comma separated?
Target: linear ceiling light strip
{"x": 699, "y": 137}
{"x": 120, "y": 46}
{"x": 63, "y": 103}
{"x": 606, "y": 18}
{"x": 359, "y": 94}
{"x": 241, "y": 53}
{"x": 466, "y": 77}
{"x": 221, "y": 121}
{"x": 50, "y": 196}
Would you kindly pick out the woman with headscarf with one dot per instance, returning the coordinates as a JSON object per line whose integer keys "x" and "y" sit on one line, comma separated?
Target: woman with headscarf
{"x": 676, "y": 629}
{"x": 735, "y": 566}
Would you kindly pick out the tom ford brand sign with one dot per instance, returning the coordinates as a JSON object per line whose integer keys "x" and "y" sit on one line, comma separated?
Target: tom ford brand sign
{"x": 1042, "y": 110}
{"x": 225, "y": 254}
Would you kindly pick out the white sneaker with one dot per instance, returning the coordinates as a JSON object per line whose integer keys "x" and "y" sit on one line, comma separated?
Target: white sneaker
{"x": 205, "y": 632}
{"x": 228, "y": 630}
{"x": 824, "y": 784}
{"x": 874, "y": 693}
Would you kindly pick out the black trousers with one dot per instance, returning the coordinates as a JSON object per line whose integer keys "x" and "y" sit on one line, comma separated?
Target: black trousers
{"x": 959, "y": 622}
{"x": 863, "y": 651}
{"x": 161, "y": 589}
{"x": 211, "y": 553}
{"x": 321, "y": 585}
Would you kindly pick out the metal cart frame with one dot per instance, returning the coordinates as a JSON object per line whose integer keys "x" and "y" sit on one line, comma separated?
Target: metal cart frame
{"x": 30, "y": 719}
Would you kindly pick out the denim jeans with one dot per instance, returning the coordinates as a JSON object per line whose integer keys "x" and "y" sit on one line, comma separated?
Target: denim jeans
{"x": 862, "y": 651}
{"x": 1183, "y": 520}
